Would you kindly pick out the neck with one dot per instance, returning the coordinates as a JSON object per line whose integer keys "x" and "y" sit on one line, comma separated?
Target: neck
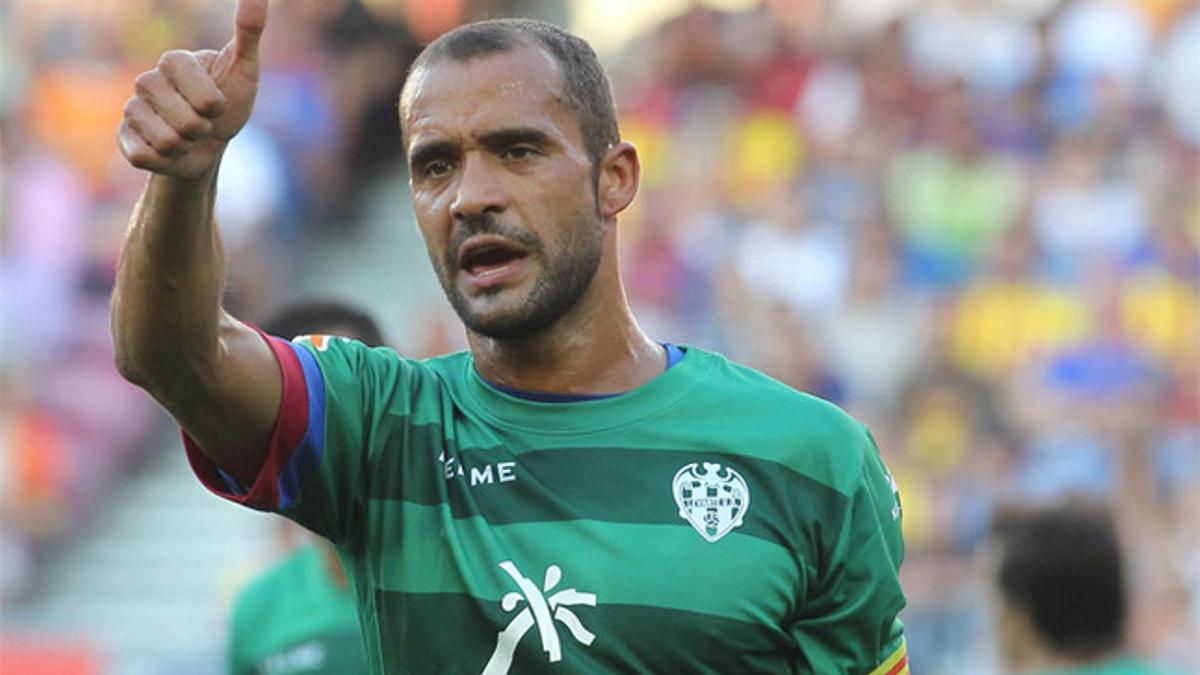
{"x": 595, "y": 348}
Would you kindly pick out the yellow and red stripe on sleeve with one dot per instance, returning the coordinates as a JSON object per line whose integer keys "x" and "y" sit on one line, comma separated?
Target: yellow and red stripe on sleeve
{"x": 896, "y": 664}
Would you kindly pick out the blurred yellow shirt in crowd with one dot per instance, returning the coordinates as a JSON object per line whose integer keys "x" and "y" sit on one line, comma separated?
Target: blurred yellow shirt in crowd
{"x": 765, "y": 151}
{"x": 1161, "y": 314}
{"x": 1003, "y": 325}
{"x": 653, "y": 142}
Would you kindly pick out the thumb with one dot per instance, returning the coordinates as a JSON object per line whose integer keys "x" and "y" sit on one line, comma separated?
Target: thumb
{"x": 250, "y": 21}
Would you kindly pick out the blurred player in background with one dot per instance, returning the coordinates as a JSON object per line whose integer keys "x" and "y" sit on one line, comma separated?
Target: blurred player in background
{"x": 1062, "y": 593}
{"x": 300, "y": 616}
{"x": 569, "y": 491}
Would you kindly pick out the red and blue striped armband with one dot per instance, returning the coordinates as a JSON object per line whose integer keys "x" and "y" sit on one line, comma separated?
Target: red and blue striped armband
{"x": 297, "y": 443}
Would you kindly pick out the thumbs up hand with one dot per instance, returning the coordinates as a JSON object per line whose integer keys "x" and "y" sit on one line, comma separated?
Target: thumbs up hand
{"x": 191, "y": 104}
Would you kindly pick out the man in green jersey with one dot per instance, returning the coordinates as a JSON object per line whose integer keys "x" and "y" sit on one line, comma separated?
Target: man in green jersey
{"x": 569, "y": 496}
{"x": 299, "y": 616}
{"x": 1062, "y": 593}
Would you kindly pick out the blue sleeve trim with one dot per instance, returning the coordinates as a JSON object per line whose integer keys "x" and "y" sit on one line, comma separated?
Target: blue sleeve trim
{"x": 674, "y": 354}
{"x": 232, "y": 483}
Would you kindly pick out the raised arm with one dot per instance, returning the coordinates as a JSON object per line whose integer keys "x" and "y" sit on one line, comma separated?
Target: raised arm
{"x": 215, "y": 375}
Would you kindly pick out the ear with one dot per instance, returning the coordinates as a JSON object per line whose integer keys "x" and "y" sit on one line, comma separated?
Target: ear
{"x": 620, "y": 173}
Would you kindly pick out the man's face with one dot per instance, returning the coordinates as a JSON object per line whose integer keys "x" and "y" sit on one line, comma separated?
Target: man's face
{"x": 503, "y": 189}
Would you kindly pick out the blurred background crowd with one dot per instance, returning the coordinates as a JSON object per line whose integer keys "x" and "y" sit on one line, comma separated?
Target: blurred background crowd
{"x": 973, "y": 223}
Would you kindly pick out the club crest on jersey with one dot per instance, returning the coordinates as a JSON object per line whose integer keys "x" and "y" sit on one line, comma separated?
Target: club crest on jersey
{"x": 714, "y": 499}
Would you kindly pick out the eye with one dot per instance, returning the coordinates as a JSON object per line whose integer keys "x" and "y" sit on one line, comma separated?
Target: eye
{"x": 437, "y": 168}
{"x": 519, "y": 152}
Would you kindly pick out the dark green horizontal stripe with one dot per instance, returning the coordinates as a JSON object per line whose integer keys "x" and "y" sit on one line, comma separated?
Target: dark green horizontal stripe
{"x": 610, "y": 484}
{"x": 451, "y": 633}
{"x": 422, "y": 550}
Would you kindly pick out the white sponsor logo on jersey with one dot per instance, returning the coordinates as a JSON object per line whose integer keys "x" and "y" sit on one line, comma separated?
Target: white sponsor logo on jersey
{"x": 484, "y": 474}
{"x": 713, "y": 499}
{"x": 539, "y": 611}
{"x": 306, "y": 657}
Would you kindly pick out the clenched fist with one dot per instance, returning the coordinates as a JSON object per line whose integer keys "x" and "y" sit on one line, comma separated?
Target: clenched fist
{"x": 186, "y": 110}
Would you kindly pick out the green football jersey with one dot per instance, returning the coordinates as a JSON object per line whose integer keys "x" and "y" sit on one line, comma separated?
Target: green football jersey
{"x": 710, "y": 521}
{"x": 294, "y": 620}
{"x": 1120, "y": 665}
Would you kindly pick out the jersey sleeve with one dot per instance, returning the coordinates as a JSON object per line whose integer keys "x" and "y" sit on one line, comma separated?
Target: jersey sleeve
{"x": 849, "y": 621}
{"x": 334, "y": 393}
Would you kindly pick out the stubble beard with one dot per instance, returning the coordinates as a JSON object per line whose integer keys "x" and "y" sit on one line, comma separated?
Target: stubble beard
{"x": 567, "y": 271}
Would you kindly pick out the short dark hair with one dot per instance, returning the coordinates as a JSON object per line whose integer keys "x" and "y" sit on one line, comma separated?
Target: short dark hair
{"x": 585, "y": 86}
{"x": 306, "y": 317}
{"x": 1062, "y": 566}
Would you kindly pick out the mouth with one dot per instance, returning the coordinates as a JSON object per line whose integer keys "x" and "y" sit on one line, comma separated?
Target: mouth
{"x": 484, "y": 256}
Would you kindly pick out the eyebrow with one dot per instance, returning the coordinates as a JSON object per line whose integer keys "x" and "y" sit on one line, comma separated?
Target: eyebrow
{"x": 427, "y": 152}
{"x": 493, "y": 141}
{"x": 504, "y": 138}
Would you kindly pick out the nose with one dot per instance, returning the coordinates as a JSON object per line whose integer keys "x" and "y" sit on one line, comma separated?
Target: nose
{"x": 479, "y": 190}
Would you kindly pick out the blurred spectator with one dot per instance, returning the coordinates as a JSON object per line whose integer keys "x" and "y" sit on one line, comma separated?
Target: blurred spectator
{"x": 1097, "y": 39}
{"x": 1087, "y": 211}
{"x": 784, "y": 240}
{"x": 1009, "y": 316}
{"x": 982, "y": 44}
{"x": 1063, "y": 600}
{"x": 1176, "y": 76}
{"x": 951, "y": 198}
{"x": 1160, "y": 299}
{"x": 875, "y": 370}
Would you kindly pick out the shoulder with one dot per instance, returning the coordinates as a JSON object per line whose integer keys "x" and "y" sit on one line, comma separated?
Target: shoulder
{"x": 446, "y": 365}
{"x": 758, "y": 396}
{"x": 343, "y": 359}
{"x": 333, "y": 350}
{"x": 378, "y": 382}
{"x": 808, "y": 434}
{"x": 337, "y": 351}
